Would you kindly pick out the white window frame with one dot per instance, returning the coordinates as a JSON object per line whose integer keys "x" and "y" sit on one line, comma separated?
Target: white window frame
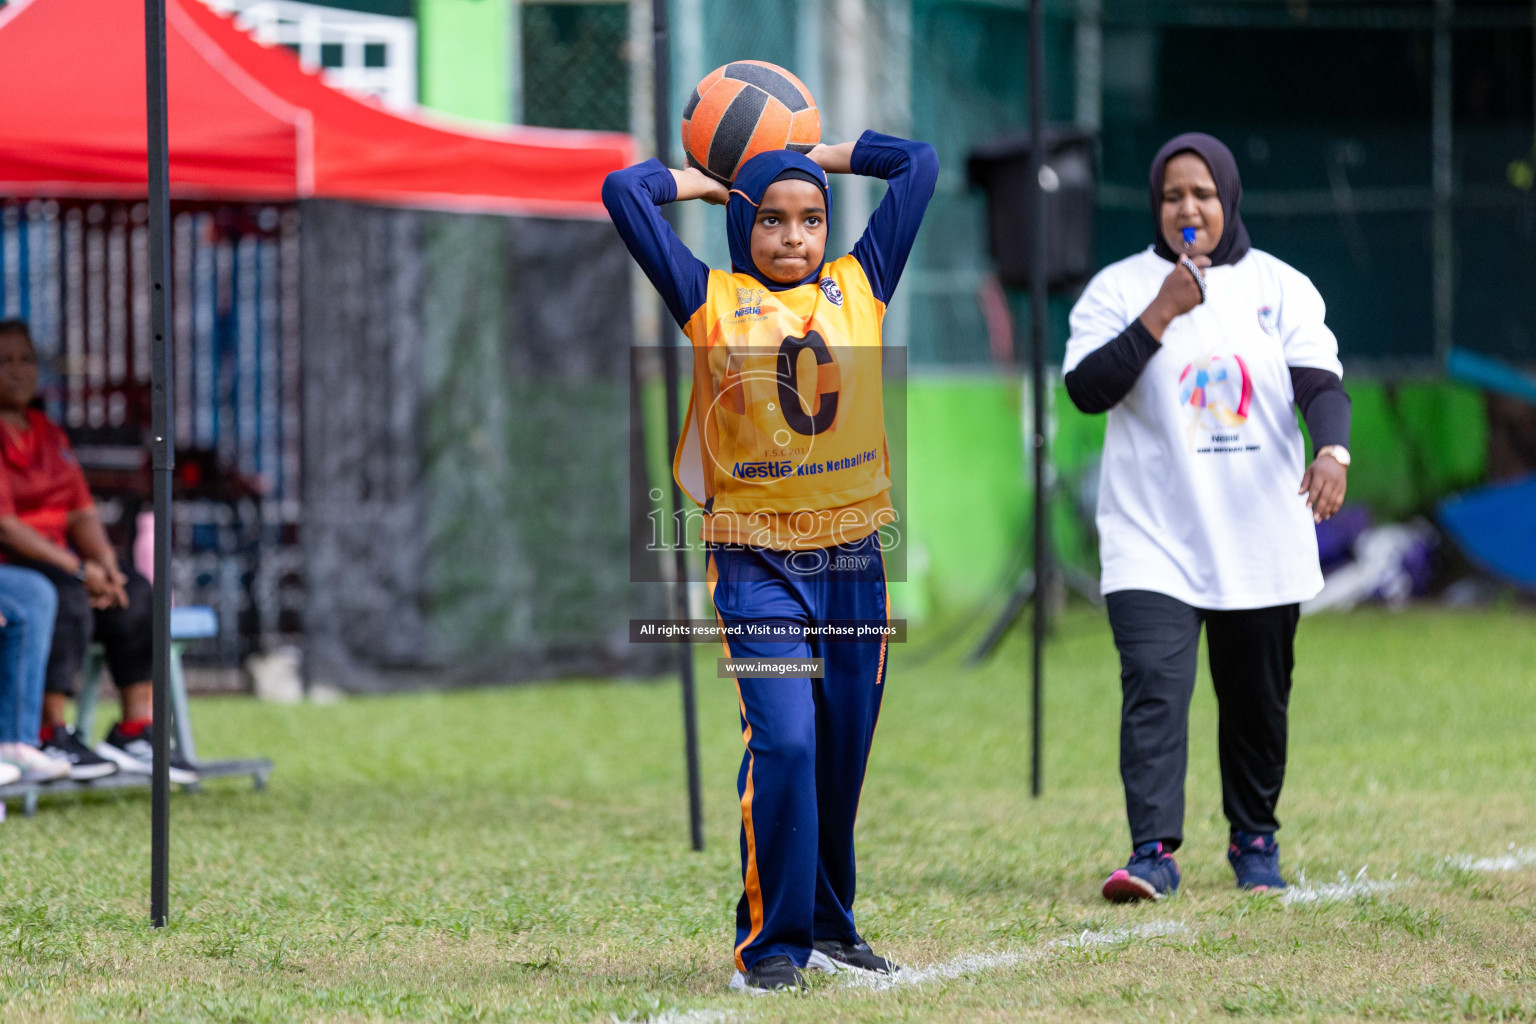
{"x": 309, "y": 27}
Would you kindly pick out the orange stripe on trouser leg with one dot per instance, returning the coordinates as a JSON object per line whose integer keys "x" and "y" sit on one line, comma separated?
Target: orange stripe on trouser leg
{"x": 885, "y": 642}
{"x": 750, "y": 882}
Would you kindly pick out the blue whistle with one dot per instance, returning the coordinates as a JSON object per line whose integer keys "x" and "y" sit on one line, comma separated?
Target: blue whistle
{"x": 1189, "y": 237}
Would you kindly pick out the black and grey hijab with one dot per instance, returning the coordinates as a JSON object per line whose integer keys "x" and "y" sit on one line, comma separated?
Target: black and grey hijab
{"x": 1234, "y": 244}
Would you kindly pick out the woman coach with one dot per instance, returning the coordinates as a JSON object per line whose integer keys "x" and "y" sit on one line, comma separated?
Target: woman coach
{"x": 1198, "y": 348}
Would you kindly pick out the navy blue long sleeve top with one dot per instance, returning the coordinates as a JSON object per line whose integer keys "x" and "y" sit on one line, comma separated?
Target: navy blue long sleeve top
{"x": 635, "y": 195}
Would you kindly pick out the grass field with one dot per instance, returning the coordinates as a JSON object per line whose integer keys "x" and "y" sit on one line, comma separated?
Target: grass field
{"x": 520, "y": 854}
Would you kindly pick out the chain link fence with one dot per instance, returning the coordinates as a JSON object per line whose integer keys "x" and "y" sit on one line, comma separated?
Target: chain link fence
{"x": 575, "y": 65}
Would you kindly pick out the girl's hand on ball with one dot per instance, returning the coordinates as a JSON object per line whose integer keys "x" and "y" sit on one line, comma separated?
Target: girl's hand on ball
{"x": 1324, "y": 483}
{"x": 693, "y": 183}
{"x": 836, "y": 159}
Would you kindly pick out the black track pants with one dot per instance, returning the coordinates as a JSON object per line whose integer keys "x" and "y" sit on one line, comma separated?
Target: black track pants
{"x": 1252, "y": 652}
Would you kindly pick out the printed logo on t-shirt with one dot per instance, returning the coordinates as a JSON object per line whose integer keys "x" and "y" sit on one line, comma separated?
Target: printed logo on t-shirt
{"x": 1267, "y": 322}
{"x": 1217, "y": 393}
{"x": 833, "y": 293}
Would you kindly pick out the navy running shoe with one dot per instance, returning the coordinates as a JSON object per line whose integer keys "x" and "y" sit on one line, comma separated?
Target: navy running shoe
{"x": 771, "y": 974}
{"x": 1255, "y": 860}
{"x": 1150, "y": 874}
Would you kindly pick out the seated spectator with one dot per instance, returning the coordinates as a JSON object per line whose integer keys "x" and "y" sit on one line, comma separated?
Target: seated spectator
{"x": 28, "y": 604}
{"x": 56, "y": 531}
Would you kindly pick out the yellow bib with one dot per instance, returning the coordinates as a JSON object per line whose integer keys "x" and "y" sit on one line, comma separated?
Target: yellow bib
{"x": 784, "y": 443}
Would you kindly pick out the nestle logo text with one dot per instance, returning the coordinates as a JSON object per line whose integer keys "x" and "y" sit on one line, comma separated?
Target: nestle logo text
{"x": 762, "y": 470}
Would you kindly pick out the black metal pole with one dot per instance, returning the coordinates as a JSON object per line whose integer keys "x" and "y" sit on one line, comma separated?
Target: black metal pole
{"x": 1037, "y": 301}
{"x": 163, "y": 453}
{"x": 661, "y": 65}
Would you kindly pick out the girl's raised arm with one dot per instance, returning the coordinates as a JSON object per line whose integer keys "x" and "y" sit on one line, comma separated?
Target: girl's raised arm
{"x": 634, "y": 197}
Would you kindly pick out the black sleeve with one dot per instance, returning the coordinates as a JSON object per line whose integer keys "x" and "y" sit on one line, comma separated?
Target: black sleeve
{"x": 1108, "y": 373}
{"x": 1324, "y": 405}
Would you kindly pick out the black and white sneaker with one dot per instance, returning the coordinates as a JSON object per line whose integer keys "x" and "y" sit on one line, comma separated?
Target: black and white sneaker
{"x": 84, "y": 763}
{"x": 773, "y": 974}
{"x": 856, "y": 955}
{"x": 135, "y": 755}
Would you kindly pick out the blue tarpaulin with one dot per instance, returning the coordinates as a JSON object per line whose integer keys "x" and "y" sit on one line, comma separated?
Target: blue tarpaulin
{"x": 1496, "y": 528}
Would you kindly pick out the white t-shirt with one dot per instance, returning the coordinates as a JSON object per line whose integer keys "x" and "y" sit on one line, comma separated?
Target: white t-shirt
{"x": 1203, "y": 458}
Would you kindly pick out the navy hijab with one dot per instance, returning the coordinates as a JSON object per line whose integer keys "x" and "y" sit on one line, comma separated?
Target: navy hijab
{"x": 747, "y": 195}
{"x": 1234, "y": 244}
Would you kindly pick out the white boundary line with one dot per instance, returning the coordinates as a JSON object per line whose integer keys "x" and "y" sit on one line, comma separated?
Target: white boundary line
{"x": 1516, "y": 859}
{"x": 1345, "y": 888}
{"x": 976, "y": 963}
{"x": 686, "y": 1017}
{"x": 1302, "y": 892}
{"x": 969, "y": 963}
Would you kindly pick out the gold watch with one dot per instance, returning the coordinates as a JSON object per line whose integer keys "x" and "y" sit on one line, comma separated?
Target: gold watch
{"x": 1337, "y": 452}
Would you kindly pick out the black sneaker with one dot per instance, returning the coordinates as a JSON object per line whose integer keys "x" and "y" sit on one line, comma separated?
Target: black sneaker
{"x": 135, "y": 755}
{"x": 857, "y": 955}
{"x": 84, "y": 764}
{"x": 774, "y": 974}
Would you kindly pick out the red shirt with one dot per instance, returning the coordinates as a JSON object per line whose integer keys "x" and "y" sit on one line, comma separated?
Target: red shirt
{"x": 42, "y": 480}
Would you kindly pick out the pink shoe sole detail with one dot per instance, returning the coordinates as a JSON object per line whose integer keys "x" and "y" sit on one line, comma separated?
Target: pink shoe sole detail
{"x": 1124, "y": 887}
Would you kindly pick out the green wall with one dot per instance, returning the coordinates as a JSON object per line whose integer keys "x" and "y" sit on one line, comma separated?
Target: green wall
{"x": 967, "y": 501}
{"x": 1414, "y": 441}
{"x": 466, "y": 57}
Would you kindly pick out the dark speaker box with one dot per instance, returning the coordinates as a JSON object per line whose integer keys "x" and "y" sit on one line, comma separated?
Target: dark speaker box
{"x": 1001, "y": 168}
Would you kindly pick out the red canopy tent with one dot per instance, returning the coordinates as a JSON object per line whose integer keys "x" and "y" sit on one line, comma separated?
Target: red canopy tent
{"x": 246, "y": 122}
{"x": 347, "y": 284}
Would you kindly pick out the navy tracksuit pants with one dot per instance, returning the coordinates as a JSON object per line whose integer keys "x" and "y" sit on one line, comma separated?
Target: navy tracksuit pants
{"x": 1252, "y": 653}
{"x": 807, "y": 740}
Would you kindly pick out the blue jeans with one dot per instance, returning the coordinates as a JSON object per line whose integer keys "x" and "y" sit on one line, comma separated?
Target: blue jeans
{"x": 29, "y": 603}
